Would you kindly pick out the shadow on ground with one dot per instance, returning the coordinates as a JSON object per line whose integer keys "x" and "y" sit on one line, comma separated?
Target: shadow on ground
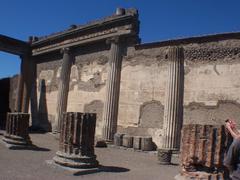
{"x": 30, "y": 148}
{"x": 111, "y": 169}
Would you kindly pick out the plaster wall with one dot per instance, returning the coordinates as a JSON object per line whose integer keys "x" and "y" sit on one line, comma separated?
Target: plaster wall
{"x": 211, "y": 87}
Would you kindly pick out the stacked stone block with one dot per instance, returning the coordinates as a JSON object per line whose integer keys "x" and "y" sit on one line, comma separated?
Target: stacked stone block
{"x": 76, "y": 146}
{"x": 202, "y": 151}
{"x": 118, "y": 139}
{"x": 137, "y": 142}
{"x": 17, "y": 134}
{"x": 143, "y": 143}
{"x": 127, "y": 141}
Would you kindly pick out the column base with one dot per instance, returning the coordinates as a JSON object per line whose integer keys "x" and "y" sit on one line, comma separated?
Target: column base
{"x": 164, "y": 156}
{"x": 75, "y": 161}
{"x": 16, "y": 142}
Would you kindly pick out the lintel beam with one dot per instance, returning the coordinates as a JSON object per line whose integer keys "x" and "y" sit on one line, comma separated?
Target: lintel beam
{"x": 13, "y": 46}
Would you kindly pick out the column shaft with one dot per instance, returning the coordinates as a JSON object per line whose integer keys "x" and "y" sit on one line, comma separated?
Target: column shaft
{"x": 63, "y": 88}
{"x": 173, "y": 111}
{"x": 112, "y": 92}
{"x": 24, "y": 85}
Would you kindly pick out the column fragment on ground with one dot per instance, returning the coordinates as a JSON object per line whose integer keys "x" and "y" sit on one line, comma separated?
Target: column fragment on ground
{"x": 203, "y": 148}
{"x": 76, "y": 144}
{"x": 17, "y": 134}
{"x": 173, "y": 111}
{"x": 63, "y": 88}
{"x": 112, "y": 92}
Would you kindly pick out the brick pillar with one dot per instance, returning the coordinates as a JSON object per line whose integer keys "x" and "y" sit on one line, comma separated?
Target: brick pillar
{"x": 16, "y": 134}
{"x": 203, "y": 148}
{"x": 76, "y": 146}
{"x": 110, "y": 113}
{"x": 63, "y": 88}
{"x": 24, "y": 85}
{"x": 173, "y": 109}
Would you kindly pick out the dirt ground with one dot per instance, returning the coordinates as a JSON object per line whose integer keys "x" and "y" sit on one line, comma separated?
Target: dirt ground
{"x": 115, "y": 163}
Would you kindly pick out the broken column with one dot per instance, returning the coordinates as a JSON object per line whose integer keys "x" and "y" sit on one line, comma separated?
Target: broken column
{"x": 202, "y": 152}
{"x": 112, "y": 91}
{"x": 76, "y": 146}
{"x": 63, "y": 88}
{"x": 17, "y": 135}
{"x": 173, "y": 109}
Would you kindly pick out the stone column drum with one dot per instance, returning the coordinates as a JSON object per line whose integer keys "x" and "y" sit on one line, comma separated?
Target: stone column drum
{"x": 63, "y": 88}
{"x": 112, "y": 92}
{"x": 118, "y": 139}
{"x": 17, "y": 134}
{"x": 76, "y": 146}
{"x": 173, "y": 111}
{"x": 202, "y": 152}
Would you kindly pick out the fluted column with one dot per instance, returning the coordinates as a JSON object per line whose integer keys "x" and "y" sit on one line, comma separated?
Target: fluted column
{"x": 76, "y": 142}
{"x": 173, "y": 109}
{"x": 17, "y": 134}
{"x": 110, "y": 113}
{"x": 63, "y": 88}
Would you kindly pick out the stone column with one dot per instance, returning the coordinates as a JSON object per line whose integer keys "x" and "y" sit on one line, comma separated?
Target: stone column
{"x": 24, "y": 85}
{"x": 63, "y": 88}
{"x": 110, "y": 112}
{"x": 76, "y": 143}
{"x": 173, "y": 109}
{"x": 16, "y": 134}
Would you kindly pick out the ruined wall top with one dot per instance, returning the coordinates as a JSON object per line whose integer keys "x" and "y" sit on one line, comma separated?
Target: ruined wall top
{"x": 189, "y": 40}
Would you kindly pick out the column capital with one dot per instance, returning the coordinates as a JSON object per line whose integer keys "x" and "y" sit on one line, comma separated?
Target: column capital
{"x": 173, "y": 50}
{"x": 115, "y": 40}
{"x": 65, "y": 50}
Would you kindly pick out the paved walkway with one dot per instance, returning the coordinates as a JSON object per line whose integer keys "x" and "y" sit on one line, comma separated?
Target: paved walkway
{"x": 115, "y": 164}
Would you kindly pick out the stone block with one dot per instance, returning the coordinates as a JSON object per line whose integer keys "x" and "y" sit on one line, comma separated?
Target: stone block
{"x": 127, "y": 141}
{"x": 118, "y": 139}
{"x": 146, "y": 143}
{"x": 137, "y": 142}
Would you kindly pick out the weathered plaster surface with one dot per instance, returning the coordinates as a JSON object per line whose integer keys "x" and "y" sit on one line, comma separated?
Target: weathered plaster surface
{"x": 211, "y": 87}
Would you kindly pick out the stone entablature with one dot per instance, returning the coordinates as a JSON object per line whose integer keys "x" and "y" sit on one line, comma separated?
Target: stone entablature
{"x": 125, "y": 24}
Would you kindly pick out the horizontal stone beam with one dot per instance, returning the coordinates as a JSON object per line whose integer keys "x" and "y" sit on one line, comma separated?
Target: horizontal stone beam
{"x": 123, "y": 23}
{"x": 85, "y": 39}
{"x": 13, "y": 46}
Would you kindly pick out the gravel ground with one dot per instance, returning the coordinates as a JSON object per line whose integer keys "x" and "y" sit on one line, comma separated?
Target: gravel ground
{"x": 115, "y": 163}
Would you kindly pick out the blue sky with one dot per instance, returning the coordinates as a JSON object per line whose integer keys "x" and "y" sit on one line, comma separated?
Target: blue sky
{"x": 160, "y": 19}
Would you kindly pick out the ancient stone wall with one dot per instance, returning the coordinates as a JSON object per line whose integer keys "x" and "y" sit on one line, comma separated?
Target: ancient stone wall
{"x": 86, "y": 86}
{"x": 211, "y": 87}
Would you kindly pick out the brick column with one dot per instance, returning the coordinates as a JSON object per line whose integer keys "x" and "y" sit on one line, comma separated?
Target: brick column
{"x": 16, "y": 134}
{"x": 24, "y": 85}
{"x": 203, "y": 148}
{"x": 110, "y": 113}
{"x": 63, "y": 88}
{"x": 76, "y": 143}
{"x": 173, "y": 109}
